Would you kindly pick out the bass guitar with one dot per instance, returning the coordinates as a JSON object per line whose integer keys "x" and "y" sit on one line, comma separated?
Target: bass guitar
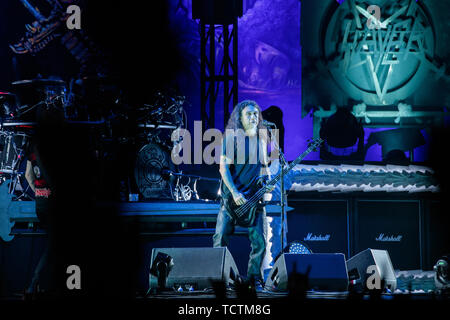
{"x": 244, "y": 214}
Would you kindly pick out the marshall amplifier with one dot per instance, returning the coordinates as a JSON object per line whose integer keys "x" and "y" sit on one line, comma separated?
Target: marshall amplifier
{"x": 437, "y": 235}
{"x": 321, "y": 225}
{"x": 393, "y": 226}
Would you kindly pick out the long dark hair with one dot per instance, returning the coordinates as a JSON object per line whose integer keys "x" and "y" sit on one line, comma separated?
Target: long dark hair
{"x": 234, "y": 122}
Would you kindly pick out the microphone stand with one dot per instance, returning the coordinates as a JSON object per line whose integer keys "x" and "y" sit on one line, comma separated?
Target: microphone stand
{"x": 282, "y": 164}
{"x": 282, "y": 196}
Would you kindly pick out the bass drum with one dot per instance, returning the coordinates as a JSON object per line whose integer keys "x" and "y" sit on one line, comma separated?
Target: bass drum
{"x": 152, "y": 181}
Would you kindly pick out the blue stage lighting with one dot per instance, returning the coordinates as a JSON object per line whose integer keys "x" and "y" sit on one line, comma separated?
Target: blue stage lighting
{"x": 299, "y": 247}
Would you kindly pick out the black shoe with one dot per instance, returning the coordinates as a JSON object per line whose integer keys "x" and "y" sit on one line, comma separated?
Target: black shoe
{"x": 259, "y": 285}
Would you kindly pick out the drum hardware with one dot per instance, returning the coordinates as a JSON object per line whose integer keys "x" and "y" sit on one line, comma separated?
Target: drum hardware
{"x": 93, "y": 94}
{"x": 157, "y": 126}
{"x": 28, "y": 108}
{"x": 86, "y": 122}
{"x": 20, "y": 188}
{"x": 183, "y": 192}
{"x": 49, "y": 95}
{"x": 166, "y": 108}
{"x": 40, "y": 82}
{"x": 12, "y": 146}
{"x": 159, "y": 120}
{"x": 158, "y": 133}
{"x": 18, "y": 124}
{"x": 55, "y": 100}
{"x": 13, "y": 164}
{"x": 52, "y": 90}
{"x": 8, "y": 105}
{"x": 40, "y": 95}
{"x": 7, "y": 171}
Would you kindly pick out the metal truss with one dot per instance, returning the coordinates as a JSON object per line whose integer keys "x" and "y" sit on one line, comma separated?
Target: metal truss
{"x": 219, "y": 69}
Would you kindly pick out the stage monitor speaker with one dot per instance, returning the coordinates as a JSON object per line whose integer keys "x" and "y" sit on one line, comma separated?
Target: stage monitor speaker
{"x": 327, "y": 272}
{"x": 358, "y": 264}
{"x": 195, "y": 268}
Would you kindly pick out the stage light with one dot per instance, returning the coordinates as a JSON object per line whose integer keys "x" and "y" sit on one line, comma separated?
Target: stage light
{"x": 442, "y": 276}
{"x": 298, "y": 247}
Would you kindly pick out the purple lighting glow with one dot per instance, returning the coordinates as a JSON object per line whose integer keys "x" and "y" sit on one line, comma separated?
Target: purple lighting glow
{"x": 342, "y": 1}
{"x": 270, "y": 66}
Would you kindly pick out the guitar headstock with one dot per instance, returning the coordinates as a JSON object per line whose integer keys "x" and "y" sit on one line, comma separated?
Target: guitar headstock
{"x": 314, "y": 144}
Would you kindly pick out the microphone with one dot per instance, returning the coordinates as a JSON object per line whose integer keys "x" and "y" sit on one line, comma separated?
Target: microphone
{"x": 166, "y": 173}
{"x": 269, "y": 124}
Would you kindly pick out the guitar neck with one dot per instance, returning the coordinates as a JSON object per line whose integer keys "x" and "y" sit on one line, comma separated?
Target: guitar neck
{"x": 284, "y": 171}
{"x": 258, "y": 195}
{"x": 290, "y": 167}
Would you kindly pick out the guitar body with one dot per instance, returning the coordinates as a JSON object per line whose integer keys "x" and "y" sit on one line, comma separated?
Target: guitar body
{"x": 245, "y": 214}
{"x": 244, "y": 217}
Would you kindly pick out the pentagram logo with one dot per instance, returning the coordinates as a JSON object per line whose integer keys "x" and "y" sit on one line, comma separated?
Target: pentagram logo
{"x": 387, "y": 44}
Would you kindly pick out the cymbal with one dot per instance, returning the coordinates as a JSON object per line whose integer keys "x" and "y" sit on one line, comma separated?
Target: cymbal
{"x": 43, "y": 82}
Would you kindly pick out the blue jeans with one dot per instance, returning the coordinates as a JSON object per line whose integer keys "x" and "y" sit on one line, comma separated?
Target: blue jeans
{"x": 256, "y": 234}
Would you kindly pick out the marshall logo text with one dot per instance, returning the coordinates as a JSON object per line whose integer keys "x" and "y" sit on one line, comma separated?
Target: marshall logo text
{"x": 311, "y": 237}
{"x": 384, "y": 238}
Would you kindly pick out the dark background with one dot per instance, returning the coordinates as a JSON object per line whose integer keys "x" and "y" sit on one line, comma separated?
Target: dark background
{"x": 142, "y": 53}
{"x": 139, "y": 51}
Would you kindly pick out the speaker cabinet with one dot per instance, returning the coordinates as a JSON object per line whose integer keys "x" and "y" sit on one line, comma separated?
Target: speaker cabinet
{"x": 322, "y": 225}
{"x": 437, "y": 235}
{"x": 393, "y": 226}
{"x": 328, "y": 271}
{"x": 358, "y": 264}
{"x": 195, "y": 268}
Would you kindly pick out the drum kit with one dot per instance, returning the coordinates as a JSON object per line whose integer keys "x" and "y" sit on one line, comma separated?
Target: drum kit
{"x": 92, "y": 101}
{"x": 155, "y": 174}
{"x": 156, "y": 122}
{"x": 13, "y": 142}
{"x": 33, "y": 102}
